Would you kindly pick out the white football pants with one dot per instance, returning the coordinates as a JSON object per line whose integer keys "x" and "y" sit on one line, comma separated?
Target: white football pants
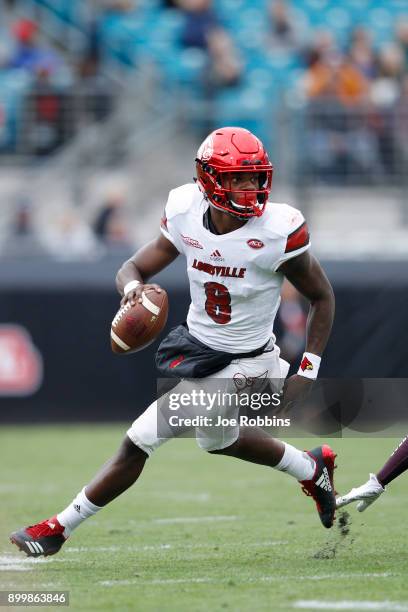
{"x": 151, "y": 429}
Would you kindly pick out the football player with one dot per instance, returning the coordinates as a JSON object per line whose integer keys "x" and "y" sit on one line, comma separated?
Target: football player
{"x": 367, "y": 493}
{"x": 238, "y": 247}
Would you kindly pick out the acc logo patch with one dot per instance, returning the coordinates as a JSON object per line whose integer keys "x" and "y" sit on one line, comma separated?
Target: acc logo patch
{"x": 21, "y": 366}
{"x": 254, "y": 243}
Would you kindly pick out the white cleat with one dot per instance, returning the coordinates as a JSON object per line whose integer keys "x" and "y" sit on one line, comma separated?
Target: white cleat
{"x": 364, "y": 495}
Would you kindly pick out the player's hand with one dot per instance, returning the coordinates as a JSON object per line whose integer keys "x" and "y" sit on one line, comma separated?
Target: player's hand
{"x": 135, "y": 295}
{"x": 295, "y": 389}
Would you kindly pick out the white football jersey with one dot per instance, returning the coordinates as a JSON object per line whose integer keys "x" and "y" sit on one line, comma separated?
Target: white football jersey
{"x": 234, "y": 280}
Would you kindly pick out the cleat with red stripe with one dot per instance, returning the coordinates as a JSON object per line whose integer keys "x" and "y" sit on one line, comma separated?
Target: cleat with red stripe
{"x": 43, "y": 539}
{"x": 321, "y": 486}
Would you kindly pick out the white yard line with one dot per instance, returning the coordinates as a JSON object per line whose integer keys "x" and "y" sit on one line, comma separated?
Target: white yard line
{"x": 195, "y": 519}
{"x": 382, "y": 606}
{"x": 83, "y": 549}
{"x": 7, "y": 559}
{"x": 19, "y": 563}
{"x": 275, "y": 578}
{"x": 344, "y": 576}
{"x": 15, "y": 568}
{"x": 110, "y": 583}
{"x": 186, "y": 497}
{"x": 10, "y": 563}
{"x": 161, "y": 547}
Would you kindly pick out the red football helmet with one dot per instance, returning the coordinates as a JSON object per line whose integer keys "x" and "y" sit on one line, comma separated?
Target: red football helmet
{"x": 230, "y": 152}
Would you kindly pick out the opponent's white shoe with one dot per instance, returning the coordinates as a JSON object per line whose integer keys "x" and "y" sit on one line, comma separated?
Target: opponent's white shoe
{"x": 364, "y": 495}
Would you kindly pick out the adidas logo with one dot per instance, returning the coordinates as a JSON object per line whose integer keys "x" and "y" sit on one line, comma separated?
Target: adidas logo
{"x": 324, "y": 481}
{"x": 77, "y": 507}
{"x": 216, "y": 256}
{"x": 34, "y": 547}
{"x": 51, "y": 525}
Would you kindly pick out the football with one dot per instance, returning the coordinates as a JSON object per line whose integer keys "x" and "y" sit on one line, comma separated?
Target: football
{"x": 135, "y": 327}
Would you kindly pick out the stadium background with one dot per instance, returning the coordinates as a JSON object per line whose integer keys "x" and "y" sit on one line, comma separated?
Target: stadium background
{"x": 103, "y": 104}
{"x": 102, "y": 108}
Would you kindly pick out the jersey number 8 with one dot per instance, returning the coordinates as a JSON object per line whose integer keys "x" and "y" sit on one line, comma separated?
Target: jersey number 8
{"x": 218, "y": 303}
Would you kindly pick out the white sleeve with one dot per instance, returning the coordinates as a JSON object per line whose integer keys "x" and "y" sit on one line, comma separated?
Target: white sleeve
{"x": 168, "y": 223}
{"x": 168, "y": 232}
{"x": 175, "y": 214}
{"x": 297, "y": 240}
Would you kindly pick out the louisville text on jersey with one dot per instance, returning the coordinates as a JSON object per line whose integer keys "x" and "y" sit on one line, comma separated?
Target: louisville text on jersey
{"x": 225, "y": 271}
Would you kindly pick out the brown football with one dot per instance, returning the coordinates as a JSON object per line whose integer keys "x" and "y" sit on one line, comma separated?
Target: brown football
{"x": 135, "y": 327}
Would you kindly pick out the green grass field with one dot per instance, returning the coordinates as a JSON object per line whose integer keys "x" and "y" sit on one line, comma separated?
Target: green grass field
{"x": 200, "y": 532}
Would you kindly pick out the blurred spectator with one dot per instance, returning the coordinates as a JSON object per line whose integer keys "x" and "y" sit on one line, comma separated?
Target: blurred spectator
{"x": 200, "y": 21}
{"x": 22, "y": 222}
{"x": 3, "y": 125}
{"x": 110, "y": 224}
{"x": 350, "y": 84}
{"x": 69, "y": 238}
{"x": 400, "y": 127}
{"x": 402, "y": 38}
{"x": 391, "y": 64}
{"x": 335, "y": 77}
{"x": 226, "y": 65}
{"x": 340, "y": 139}
{"x": 341, "y": 143}
{"x": 94, "y": 91}
{"x": 283, "y": 33}
{"x": 29, "y": 53}
{"x": 323, "y": 48}
{"x": 22, "y": 239}
{"x": 117, "y": 6}
{"x": 384, "y": 95}
{"x": 202, "y": 30}
{"x": 362, "y": 52}
{"x": 47, "y": 120}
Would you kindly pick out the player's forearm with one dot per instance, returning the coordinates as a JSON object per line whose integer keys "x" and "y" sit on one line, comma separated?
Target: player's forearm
{"x": 128, "y": 272}
{"x": 149, "y": 260}
{"x": 319, "y": 323}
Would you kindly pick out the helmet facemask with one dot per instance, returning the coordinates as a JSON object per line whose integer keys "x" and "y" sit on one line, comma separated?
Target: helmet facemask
{"x": 240, "y": 203}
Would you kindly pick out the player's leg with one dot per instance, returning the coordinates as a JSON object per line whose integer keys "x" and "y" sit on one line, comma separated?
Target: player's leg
{"x": 115, "y": 477}
{"x": 396, "y": 464}
{"x": 313, "y": 469}
{"x": 371, "y": 490}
